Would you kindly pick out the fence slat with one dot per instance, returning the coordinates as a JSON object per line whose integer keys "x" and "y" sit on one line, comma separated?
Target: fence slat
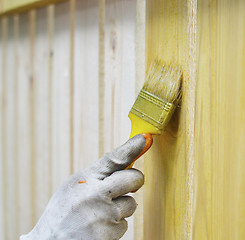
{"x": 61, "y": 96}
{"x": 24, "y": 131}
{"x": 41, "y": 100}
{"x": 86, "y": 84}
{"x": 119, "y": 76}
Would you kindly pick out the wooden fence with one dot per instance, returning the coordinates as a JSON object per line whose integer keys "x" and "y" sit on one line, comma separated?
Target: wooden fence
{"x": 70, "y": 72}
{"x": 67, "y": 84}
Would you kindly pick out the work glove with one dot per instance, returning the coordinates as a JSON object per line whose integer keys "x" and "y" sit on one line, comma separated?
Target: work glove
{"x": 91, "y": 204}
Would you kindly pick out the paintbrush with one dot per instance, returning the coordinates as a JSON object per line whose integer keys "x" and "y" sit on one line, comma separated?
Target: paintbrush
{"x": 156, "y": 102}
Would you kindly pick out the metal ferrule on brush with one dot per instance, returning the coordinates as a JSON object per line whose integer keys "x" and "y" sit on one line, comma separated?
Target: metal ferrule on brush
{"x": 153, "y": 109}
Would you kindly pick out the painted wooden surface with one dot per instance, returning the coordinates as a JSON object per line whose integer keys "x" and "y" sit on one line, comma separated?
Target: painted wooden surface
{"x": 167, "y": 167}
{"x": 195, "y": 182}
{"x": 220, "y": 121}
{"x": 67, "y": 75}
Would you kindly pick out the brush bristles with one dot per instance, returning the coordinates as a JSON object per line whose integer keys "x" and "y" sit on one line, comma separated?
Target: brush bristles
{"x": 164, "y": 81}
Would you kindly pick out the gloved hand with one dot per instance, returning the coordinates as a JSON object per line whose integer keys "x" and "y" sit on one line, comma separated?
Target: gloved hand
{"x": 90, "y": 205}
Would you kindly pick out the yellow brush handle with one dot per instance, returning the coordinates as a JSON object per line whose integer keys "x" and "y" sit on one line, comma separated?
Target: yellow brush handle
{"x": 140, "y": 126}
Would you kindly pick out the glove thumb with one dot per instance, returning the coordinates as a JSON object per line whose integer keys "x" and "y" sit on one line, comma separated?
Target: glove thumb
{"x": 121, "y": 157}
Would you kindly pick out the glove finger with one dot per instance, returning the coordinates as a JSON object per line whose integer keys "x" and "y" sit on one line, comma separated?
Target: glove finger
{"x": 123, "y": 182}
{"x": 119, "y": 229}
{"x": 126, "y": 206}
{"x": 120, "y": 157}
{"x": 105, "y": 230}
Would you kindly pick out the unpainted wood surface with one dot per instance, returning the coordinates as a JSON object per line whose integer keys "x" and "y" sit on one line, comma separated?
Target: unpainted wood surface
{"x": 139, "y": 81}
{"x": 119, "y": 75}
{"x": 54, "y": 62}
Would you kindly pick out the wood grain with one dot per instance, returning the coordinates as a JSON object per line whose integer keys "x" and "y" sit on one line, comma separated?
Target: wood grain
{"x": 86, "y": 84}
{"x": 54, "y": 99}
{"x": 195, "y": 188}
{"x": 168, "y": 175}
{"x": 41, "y": 115}
{"x": 24, "y": 183}
{"x": 32, "y": 30}
{"x": 220, "y": 121}
{"x": 101, "y": 76}
{"x": 2, "y": 225}
{"x": 119, "y": 75}
{"x": 139, "y": 81}
{"x": 68, "y": 81}
{"x": 4, "y": 25}
{"x": 119, "y": 70}
{"x": 11, "y": 134}
{"x": 61, "y": 98}
{"x": 50, "y": 19}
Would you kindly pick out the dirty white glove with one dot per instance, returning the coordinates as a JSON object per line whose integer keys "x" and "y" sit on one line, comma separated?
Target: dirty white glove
{"x": 90, "y": 205}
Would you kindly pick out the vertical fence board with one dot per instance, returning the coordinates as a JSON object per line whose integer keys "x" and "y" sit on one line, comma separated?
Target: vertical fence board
{"x": 2, "y": 157}
{"x": 168, "y": 171}
{"x": 61, "y": 95}
{"x": 41, "y": 95}
{"x": 32, "y": 29}
{"x": 24, "y": 131}
{"x": 119, "y": 69}
{"x": 15, "y": 92}
{"x": 86, "y": 84}
{"x": 11, "y": 192}
{"x": 50, "y": 11}
{"x": 220, "y": 121}
{"x": 139, "y": 80}
{"x": 119, "y": 77}
{"x": 101, "y": 78}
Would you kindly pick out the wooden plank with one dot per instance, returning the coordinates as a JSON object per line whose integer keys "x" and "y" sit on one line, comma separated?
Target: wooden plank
{"x": 15, "y": 99}
{"x": 24, "y": 130}
{"x": 61, "y": 96}
{"x": 41, "y": 120}
{"x": 168, "y": 201}
{"x": 119, "y": 70}
{"x": 220, "y": 121}
{"x": 101, "y": 76}
{"x": 50, "y": 11}
{"x": 11, "y": 134}
{"x": 119, "y": 76}
{"x": 72, "y": 50}
{"x": 3, "y": 210}
{"x": 86, "y": 91}
{"x": 32, "y": 29}
{"x": 139, "y": 81}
